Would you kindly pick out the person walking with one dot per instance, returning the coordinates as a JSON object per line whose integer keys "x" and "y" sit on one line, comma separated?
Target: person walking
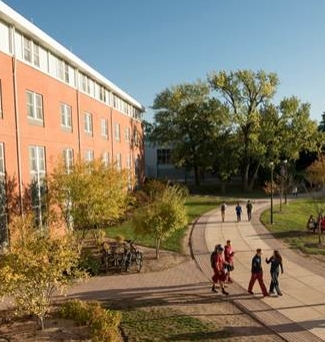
{"x": 223, "y": 211}
{"x": 219, "y": 275}
{"x": 249, "y": 208}
{"x": 229, "y": 258}
{"x": 257, "y": 273}
{"x": 238, "y": 212}
{"x": 276, "y": 265}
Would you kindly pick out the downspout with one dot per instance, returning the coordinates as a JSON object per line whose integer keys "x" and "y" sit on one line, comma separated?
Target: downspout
{"x": 78, "y": 116}
{"x": 112, "y": 137}
{"x": 17, "y": 121}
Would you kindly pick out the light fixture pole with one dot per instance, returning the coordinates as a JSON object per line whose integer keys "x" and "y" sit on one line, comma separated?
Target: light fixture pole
{"x": 285, "y": 162}
{"x": 271, "y": 165}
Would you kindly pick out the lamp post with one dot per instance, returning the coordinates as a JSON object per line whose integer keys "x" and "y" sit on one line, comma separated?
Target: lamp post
{"x": 271, "y": 165}
{"x": 285, "y": 162}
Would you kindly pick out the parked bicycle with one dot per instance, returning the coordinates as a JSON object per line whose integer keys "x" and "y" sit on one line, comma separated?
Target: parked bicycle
{"x": 120, "y": 258}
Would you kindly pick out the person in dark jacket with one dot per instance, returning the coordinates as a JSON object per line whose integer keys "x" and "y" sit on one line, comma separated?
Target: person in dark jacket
{"x": 276, "y": 265}
{"x": 257, "y": 273}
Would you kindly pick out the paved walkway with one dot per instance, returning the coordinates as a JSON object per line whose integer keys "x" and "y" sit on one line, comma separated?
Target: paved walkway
{"x": 299, "y": 315}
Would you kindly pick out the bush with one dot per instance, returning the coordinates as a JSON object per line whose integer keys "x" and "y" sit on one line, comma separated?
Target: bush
{"x": 103, "y": 322}
{"x": 89, "y": 264}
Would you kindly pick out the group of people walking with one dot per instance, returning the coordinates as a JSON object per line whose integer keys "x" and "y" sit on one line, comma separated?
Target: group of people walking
{"x": 238, "y": 210}
{"x": 222, "y": 262}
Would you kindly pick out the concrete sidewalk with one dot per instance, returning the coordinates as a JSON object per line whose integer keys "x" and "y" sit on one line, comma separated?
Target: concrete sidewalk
{"x": 300, "y": 313}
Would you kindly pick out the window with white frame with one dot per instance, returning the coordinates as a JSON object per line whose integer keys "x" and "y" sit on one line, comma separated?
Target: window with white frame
{"x": 136, "y": 137}
{"x": 37, "y": 161}
{"x": 117, "y": 132}
{"x": 127, "y": 134}
{"x": 31, "y": 51}
{"x": 34, "y": 106}
{"x": 118, "y": 161}
{"x": 38, "y": 186}
{"x": 105, "y": 158}
{"x": 102, "y": 94}
{"x": 2, "y": 160}
{"x": 104, "y": 128}
{"x": 66, "y": 116}
{"x": 1, "y": 110}
{"x": 68, "y": 159}
{"x": 89, "y": 155}
{"x": 85, "y": 85}
{"x": 88, "y": 123}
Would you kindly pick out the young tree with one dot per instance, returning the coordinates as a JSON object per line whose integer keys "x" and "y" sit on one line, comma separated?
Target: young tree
{"x": 315, "y": 175}
{"x": 161, "y": 218}
{"x": 36, "y": 266}
{"x": 89, "y": 195}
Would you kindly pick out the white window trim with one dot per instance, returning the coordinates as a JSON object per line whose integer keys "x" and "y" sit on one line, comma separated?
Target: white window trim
{"x": 34, "y": 106}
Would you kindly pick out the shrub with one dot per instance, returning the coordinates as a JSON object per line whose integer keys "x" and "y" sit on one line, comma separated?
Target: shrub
{"x": 103, "y": 322}
{"x": 89, "y": 264}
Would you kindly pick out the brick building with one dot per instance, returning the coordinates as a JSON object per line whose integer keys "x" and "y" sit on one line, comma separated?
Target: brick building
{"x": 52, "y": 103}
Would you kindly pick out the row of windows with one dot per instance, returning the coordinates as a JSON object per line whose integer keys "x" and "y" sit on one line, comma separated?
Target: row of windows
{"x": 37, "y": 164}
{"x": 31, "y": 52}
{"x": 35, "y": 113}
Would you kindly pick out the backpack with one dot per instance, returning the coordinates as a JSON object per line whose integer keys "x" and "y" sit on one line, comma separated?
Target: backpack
{"x": 212, "y": 259}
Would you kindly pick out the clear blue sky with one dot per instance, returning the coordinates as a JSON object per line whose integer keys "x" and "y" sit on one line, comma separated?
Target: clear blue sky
{"x": 144, "y": 46}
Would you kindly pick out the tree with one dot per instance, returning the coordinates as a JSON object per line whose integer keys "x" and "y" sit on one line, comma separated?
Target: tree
{"x": 245, "y": 92}
{"x": 164, "y": 216}
{"x": 36, "y": 266}
{"x": 187, "y": 120}
{"x": 315, "y": 175}
{"x": 90, "y": 195}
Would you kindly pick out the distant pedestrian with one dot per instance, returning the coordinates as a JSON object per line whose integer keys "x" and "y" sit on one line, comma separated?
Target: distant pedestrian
{"x": 276, "y": 265}
{"x": 229, "y": 258}
{"x": 219, "y": 275}
{"x": 223, "y": 211}
{"x": 249, "y": 208}
{"x": 238, "y": 212}
{"x": 295, "y": 192}
{"x": 257, "y": 273}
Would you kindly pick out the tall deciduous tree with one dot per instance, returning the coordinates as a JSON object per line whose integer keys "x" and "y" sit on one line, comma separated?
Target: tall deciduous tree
{"x": 187, "y": 120}
{"x": 245, "y": 92}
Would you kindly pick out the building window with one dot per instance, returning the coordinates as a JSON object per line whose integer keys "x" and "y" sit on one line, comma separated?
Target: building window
{"x": 38, "y": 186}
{"x": 85, "y": 85}
{"x": 66, "y": 117}
{"x": 34, "y": 106}
{"x": 163, "y": 156}
{"x": 1, "y": 110}
{"x": 118, "y": 161}
{"x": 102, "y": 94}
{"x": 31, "y": 52}
{"x": 68, "y": 159}
{"x": 127, "y": 134}
{"x": 2, "y": 161}
{"x": 88, "y": 119}
{"x": 117, "y": 133}
{"x": 62, "y": 70}
{"x": 89, "y": 155}
{"x": 105, "y": 158}
{"x": 136, "y": 137}
{"x": 104, "y": 128}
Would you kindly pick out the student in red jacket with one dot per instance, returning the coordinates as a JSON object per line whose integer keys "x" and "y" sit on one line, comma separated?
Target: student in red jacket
{"x": 219, "y": 275}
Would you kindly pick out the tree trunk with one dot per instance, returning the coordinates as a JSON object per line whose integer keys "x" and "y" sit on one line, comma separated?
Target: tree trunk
{"x": 196, "y": 175}
{"x": 251, "y": 185}
{"x": 157, "y": 248}
{"x": 245, "y": 178}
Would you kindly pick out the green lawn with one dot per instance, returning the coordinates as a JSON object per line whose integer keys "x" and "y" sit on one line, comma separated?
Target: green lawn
{"x": 167, "y": 325}
{"x": 195, "y": 205}
{"x": 289, "y": 224}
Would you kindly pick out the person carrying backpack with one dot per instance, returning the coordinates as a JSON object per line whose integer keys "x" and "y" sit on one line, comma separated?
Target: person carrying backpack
{"x": 218, "y": 264}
